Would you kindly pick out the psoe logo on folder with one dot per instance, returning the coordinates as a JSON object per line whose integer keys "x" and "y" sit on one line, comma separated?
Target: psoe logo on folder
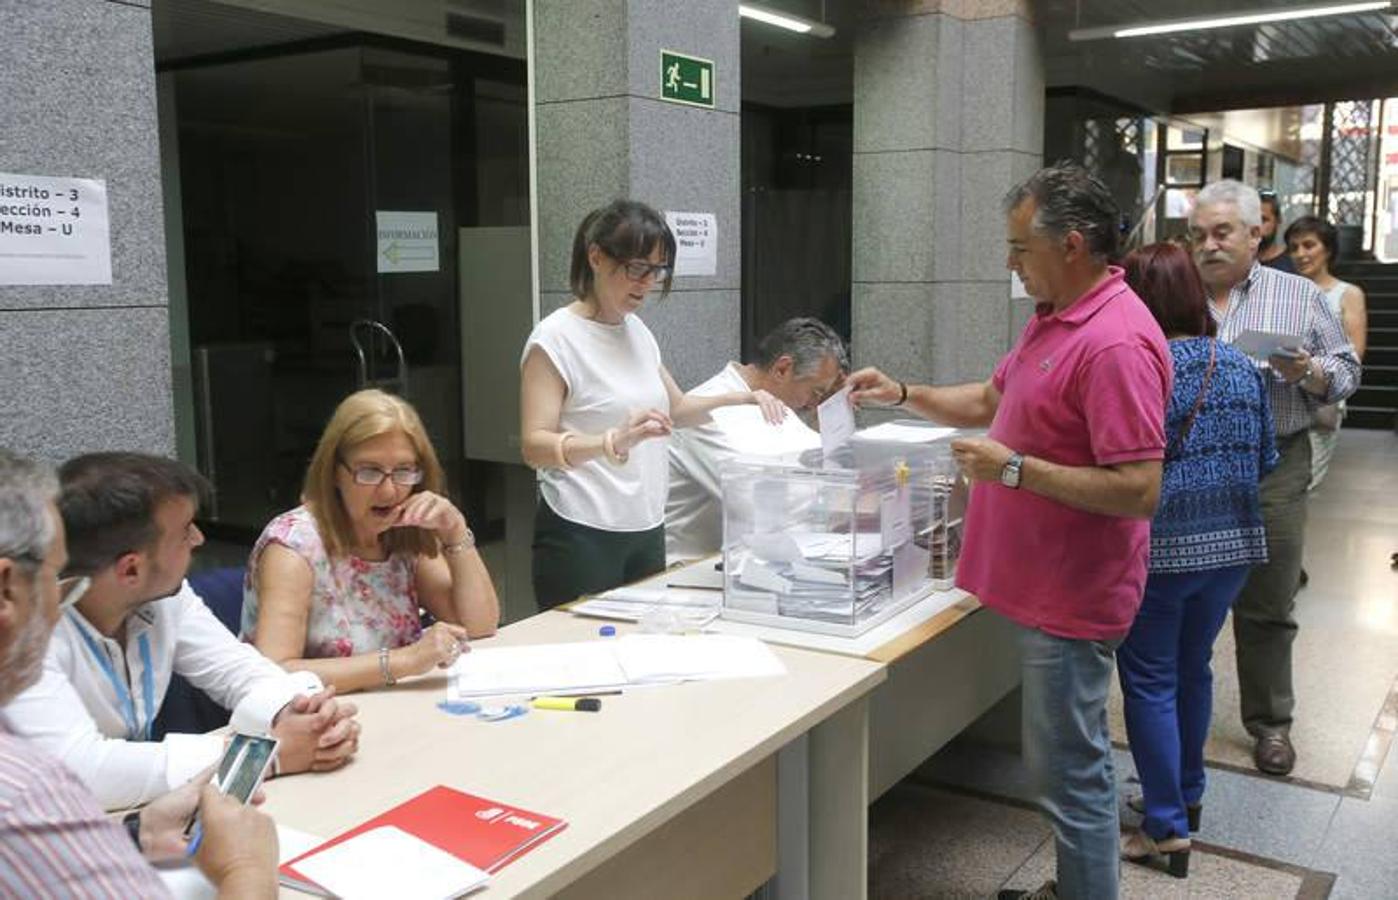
{"x": 493, "y": 812}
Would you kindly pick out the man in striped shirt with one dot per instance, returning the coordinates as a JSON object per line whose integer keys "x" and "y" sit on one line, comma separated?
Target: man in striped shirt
{"x": 1322, "y": 368}
{"x": 55, "y": 841}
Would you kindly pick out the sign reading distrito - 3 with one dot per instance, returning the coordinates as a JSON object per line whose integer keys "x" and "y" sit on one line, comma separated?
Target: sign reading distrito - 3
{"x": 407, "y": 241}
{"x": 686, "y": 79}
{"x": 696, "y": 242}
{"x": 54, "y": 230}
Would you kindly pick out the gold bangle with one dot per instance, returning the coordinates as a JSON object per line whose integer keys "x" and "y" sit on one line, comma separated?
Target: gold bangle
{"x": 560, "y": 451}
{"x": 614, "y": 456}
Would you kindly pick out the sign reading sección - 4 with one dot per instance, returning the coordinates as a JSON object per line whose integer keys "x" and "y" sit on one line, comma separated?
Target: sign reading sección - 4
{"x": 407, "y": 241}
{"x": 696, "y": 242}
{"x": 54, "y": 230}
{"x": 686, "y": 79}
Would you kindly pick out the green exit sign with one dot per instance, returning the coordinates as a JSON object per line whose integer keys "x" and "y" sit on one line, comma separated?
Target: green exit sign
{"x": 686, "y": 79}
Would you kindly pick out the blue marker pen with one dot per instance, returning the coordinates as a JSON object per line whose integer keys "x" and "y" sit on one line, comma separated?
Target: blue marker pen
{"x": 195, "y": 839}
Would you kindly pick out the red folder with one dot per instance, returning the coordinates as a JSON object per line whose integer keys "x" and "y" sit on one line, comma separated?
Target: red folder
{"x": 482, "y": 832}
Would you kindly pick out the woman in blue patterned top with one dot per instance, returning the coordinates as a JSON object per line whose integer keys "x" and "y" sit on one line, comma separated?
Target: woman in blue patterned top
{"x": 1207, "y": 533}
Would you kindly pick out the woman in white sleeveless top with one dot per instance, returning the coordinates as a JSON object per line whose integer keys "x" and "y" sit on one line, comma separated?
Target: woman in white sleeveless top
{"x": 596, "y": 404}
{"x": 1313, "y": 244}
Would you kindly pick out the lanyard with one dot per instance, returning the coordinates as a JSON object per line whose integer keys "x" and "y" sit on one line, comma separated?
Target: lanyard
{"x": 134, "y": 730}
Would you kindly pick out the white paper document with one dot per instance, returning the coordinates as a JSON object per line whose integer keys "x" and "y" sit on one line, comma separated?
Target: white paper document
{"x": 896, "y": 433}
{"x": 836, "y": 421}
{"x": 389, "y": 862}
{"x": 607, "y": 664}
{"x": 1262, "y": 344}
{"x": 690, "y": 608}
{"x": 186, "y": 882}
{"x": 535, "y": 669}
{"x": 666, "y": 657}
{"x": 703, "y": 575}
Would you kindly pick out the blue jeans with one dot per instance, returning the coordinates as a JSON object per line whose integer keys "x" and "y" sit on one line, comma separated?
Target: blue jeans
{"x": 1069, "y": 755}
{"x": 1167, "y": 687}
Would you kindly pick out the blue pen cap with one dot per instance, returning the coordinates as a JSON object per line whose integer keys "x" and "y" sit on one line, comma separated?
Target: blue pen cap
{"x": 607, "y": 631}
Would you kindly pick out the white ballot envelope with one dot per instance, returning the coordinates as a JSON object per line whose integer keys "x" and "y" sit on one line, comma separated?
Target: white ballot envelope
{"x": 836, "y": 421}
{"x": 1262, "y": 344}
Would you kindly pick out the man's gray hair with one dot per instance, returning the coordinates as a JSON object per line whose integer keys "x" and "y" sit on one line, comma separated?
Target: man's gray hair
{"x": 1244, "y": 197}
{"x": 26, "y": 527}
{"x": 807, "y": 341}
{"x": 1068, "y": 198}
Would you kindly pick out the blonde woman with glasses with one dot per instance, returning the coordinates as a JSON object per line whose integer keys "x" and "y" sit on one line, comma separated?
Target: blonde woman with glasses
{"x": 335, "y": 586}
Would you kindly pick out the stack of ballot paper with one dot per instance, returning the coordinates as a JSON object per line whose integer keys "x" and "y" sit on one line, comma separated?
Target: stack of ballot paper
{"x": 819, "y": 575}
{"x": 693, "y": 607}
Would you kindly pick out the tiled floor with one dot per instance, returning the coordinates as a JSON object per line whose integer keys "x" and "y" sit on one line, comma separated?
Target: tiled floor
{"x": 960, "y": 827}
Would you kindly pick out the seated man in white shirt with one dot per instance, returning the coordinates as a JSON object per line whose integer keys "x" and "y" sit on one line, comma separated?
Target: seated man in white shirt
{"x": 130, "y": 525}
{"x": 800, "y": 362}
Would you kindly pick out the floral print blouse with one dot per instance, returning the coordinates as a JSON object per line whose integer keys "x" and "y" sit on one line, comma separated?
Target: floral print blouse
{"x": 357, "y": 605}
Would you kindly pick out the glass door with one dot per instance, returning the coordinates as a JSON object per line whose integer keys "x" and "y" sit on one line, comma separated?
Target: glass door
{"x": 323, "y": 186}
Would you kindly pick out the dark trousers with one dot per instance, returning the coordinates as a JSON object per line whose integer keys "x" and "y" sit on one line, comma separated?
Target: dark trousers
{"x": 1168, "y": 688}
{"x": 571, "y": 559}
{"x": 1263, "y": 622}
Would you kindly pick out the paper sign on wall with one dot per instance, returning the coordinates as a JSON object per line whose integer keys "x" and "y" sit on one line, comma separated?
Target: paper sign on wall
{"x": 407, "y": 241}
{"x": 696, "y": 242}
{"x": 54, "y": 230}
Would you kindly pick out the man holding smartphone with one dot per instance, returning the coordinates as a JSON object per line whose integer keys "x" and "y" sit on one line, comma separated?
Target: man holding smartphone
{"x": 1225, "y": 229}
{"x": 54, "y": 838}
{"x": 130, "y": 521}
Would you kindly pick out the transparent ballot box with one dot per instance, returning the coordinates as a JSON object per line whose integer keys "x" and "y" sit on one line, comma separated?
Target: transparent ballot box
{"x": 840, "y": 545}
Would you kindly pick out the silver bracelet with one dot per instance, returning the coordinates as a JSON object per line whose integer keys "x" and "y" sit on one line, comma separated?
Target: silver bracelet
{"x": 461, "y": 546}
{"x": 385, "y": 669}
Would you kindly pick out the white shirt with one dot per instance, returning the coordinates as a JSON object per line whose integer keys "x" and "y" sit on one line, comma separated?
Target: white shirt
{"x": 76, "y": 713}
{"x": 610, "y": 372}
{"x": 694, "y": 511}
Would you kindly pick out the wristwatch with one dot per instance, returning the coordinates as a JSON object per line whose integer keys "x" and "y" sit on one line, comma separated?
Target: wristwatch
{"x": 1009, "y": 475}
{"x": 132, "y": 822}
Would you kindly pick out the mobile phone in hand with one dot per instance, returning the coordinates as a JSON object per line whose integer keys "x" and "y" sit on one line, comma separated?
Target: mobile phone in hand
{"x": 245, "y": 763}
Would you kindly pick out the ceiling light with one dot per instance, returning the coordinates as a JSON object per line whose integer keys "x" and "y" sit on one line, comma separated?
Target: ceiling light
{"x": 1225, "y": 20}
{"x": 789, "y": 21}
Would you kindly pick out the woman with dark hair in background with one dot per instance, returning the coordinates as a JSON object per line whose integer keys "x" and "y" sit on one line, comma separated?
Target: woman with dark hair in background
{"x": 1314, "y": 244}
{"x": 594, "y": 399}
{"x": 1206, "y": 535}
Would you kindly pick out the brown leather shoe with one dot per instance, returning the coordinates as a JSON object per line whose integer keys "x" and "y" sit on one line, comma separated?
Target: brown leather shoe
{"x": 1274, "y": 754}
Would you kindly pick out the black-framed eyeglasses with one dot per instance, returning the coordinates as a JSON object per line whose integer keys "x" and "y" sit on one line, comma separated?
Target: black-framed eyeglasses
{"x": 373, "y": 476}
{"x": 638, "y": 269}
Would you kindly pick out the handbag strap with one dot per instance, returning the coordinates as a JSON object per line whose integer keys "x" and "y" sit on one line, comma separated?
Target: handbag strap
{"x": 1178, "y": 442}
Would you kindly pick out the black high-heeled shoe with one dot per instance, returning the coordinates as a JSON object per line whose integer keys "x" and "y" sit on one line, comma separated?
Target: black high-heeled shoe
{"x": 1139, "y": 847}
{"x": 1194, "y": 812}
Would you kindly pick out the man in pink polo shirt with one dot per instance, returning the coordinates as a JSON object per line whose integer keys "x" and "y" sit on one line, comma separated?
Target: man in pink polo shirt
{"x": 1064, "y": 488}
